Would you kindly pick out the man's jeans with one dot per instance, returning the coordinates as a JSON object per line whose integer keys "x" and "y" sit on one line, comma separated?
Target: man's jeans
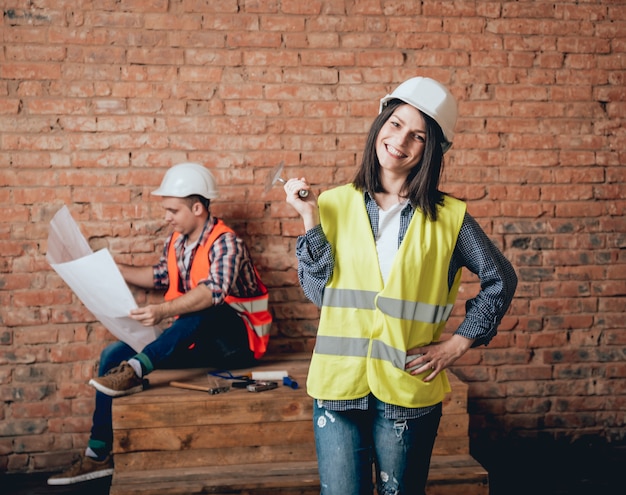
{"x": 216, "y": 337}
{"x": 348, "y": 442}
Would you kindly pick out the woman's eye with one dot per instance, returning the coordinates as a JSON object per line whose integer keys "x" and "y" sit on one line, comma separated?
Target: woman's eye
{"x": 419, "y": 137}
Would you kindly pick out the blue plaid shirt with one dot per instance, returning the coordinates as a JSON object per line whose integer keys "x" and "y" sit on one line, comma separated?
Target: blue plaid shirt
{"x": 474, "y": 250}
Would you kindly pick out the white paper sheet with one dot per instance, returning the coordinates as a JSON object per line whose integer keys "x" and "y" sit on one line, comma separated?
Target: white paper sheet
{"x": 96, "y": 280}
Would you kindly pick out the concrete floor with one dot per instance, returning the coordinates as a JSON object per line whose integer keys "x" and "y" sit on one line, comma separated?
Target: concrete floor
{"x": 36, "y": 484}
{"x": 548, "y": 467}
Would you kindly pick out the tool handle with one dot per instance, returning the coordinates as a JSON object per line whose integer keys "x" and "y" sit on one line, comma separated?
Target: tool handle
{"x": 269, "y": 375}
{"x": 303, "y": 193}
{"x": 290, "y": 382}
{"x": 189, "y": 386}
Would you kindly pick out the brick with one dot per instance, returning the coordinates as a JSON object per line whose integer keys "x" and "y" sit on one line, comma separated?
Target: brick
{"x": 578, "y": 210}
{"x": 22, "y": 427}
{"x": 173, "y": 23}
{"x": 264, "y": 58}
{"x": 18, "y": 463}
{"x": 380, "y": 59}
{"x": 295, "y": 7}
{"x": 60, "y": 106}
{"x": 328, "y": 58}
{"x": 478, "y": 43}
{"x": 209, "y": 7}
{"x": 262, "y": 6}
{"x": 375, "y": 40}
{"x": 147, "y": 55}
{"x": 282, "y": 24}
{"x": 532, "y": 373}
{"x": 235, "y": 24}
{"x": 256, "y": 40}
{"x": 30, "y": 71}
{"x": 38, "y": 443}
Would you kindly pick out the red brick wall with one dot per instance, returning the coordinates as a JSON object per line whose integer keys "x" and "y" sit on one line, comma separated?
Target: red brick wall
{"x": 97, "y": 99}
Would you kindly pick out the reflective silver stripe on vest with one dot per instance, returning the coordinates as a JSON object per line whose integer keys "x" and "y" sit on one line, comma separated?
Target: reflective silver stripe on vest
{"x": 382, "y": 351}
{"x": 341, "y": 346}
{"x": 397, "y": 308}
{"x": 415, "y": 311}
{"x": 357, "y": 347}
{"x": 260, "y": 330}
{"x": 348, "y": 298}
{"x": 249, "y": 304}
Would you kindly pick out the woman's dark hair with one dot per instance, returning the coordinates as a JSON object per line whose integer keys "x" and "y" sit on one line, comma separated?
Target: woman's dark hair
{"x": 422, "y": 184}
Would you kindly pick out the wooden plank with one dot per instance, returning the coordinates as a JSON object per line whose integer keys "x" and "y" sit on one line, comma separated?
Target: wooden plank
{"x": 453, "y": 425}
{"x": 452, "y": 468}
{"x": 138, "y": 461}
{"x": 145, "y": 460}
{"x": 451, "y": 446}
{"x": 457, "y": 475}
{"x": 159, "y": 384}
{"x": 449, "y": 475}
{"x": 295, "y": 365}
{"x": 189, "y": 408}
{"x": 452, "y": 437}
{"x": 220, "y": 436}
{"x": 170, "y": 405}
{"x": 250, "y": 478}
{"x": 219, "y": 455}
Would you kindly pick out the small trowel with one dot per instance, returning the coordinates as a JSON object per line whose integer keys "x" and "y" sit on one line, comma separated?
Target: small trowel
{"x": 275, "y": 177}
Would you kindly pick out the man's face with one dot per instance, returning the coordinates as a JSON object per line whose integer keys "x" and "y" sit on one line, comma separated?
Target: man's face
{"x": 183, "y": 218}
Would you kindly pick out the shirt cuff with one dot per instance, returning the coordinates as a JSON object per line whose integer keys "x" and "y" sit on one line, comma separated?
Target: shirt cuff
{"x": 476, "y": 331}
{"x": 311, "y": 246}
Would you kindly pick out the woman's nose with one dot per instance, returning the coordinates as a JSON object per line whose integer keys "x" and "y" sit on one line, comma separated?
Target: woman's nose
{"x": 407, "y": 137}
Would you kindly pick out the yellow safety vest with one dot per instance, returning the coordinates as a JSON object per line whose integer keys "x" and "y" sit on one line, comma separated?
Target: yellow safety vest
{"x": 366, "y": 326}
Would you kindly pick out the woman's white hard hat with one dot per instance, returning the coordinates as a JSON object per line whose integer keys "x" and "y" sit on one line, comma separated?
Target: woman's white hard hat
{"x": 187, "y": 179}
{"x": 432, "y": 98}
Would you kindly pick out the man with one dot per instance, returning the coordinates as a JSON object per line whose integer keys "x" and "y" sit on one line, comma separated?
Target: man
{"x": 211, "y": 287}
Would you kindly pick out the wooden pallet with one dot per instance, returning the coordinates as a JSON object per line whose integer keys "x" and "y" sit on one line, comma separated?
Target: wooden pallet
{"x": 171, "y": 441}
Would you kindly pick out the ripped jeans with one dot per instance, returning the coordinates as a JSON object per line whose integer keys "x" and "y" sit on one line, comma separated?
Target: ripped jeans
{"x": 347, "y": 443}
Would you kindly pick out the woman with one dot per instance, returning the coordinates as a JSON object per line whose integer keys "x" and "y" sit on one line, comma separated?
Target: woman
{"x": 382, "y": 257}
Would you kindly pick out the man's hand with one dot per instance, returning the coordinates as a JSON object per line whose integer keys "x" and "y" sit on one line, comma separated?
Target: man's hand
{"x": 437, "y": 356}
{"x": 196, "y": 299}
{"x": 149, "y": 315}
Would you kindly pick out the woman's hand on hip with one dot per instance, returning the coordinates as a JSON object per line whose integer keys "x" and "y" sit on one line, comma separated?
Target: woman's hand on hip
{"x": 437, "y": 356}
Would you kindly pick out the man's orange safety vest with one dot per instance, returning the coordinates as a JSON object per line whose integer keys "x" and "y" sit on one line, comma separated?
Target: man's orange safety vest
{"x": 253, "y": 310}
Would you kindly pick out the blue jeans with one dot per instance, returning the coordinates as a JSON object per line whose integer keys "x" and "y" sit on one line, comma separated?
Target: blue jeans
{"x": 215, "y": 338}
{"x": 347, "y": 443}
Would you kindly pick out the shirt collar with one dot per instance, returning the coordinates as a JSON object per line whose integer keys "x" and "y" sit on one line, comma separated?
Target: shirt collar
{"x": 204, "y": 235}
{"x": 370, "y": 201}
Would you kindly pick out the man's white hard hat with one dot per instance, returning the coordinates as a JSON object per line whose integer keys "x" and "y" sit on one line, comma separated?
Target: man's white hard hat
{"x": 432, "y": 98}
{"x": 187, "y": 179}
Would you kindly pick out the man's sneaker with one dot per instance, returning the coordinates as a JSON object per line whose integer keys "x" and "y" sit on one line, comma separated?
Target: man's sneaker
{"x": 84, "y": 469}
{"x": 121, "y": 380}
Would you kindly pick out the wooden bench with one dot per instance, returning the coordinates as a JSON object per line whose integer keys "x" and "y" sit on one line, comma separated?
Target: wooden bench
{"x": 172, "y": 441}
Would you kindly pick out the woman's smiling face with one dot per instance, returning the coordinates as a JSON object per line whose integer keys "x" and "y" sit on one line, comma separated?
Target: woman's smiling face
{"x": 401, "y": 141}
